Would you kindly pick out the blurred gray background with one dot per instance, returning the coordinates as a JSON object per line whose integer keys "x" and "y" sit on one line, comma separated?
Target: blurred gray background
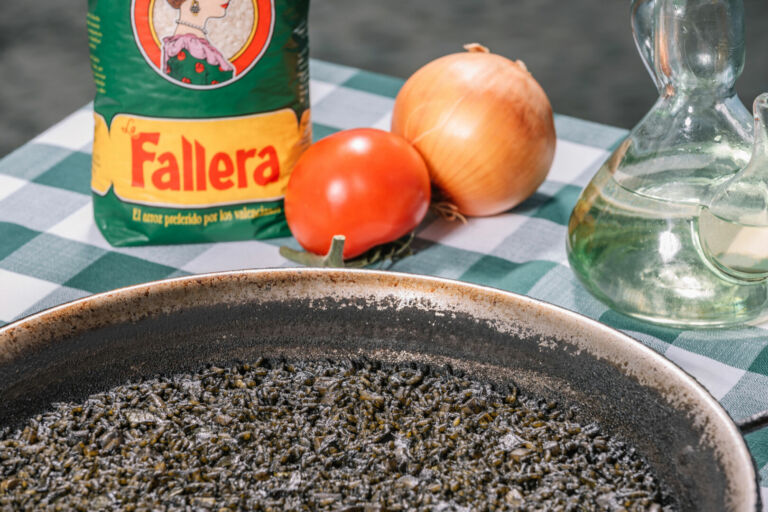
{"x": 581, "y": 51}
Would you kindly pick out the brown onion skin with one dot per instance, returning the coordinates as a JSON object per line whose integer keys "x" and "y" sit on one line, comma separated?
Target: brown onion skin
{"x": 483, "y": 125}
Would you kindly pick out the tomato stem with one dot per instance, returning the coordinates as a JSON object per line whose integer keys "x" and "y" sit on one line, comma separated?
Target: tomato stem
{"x": 393, "y": 251}
{"x": 334, "y": 258}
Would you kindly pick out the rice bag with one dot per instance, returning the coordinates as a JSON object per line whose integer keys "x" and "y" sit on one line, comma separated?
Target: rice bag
{"x": 201, "y": 111}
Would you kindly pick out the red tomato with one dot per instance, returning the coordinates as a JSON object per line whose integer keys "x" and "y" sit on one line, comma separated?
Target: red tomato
{"x": 368, "y": 185}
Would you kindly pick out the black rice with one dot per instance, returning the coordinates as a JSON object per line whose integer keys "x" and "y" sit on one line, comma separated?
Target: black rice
{"x": 319, "y": 435}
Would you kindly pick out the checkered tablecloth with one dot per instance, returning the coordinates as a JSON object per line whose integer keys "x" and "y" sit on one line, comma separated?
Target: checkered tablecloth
{"x": 51, "y": 251}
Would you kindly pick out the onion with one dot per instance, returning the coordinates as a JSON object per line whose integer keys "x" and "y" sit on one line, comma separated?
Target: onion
{"x": 483, "y": 125}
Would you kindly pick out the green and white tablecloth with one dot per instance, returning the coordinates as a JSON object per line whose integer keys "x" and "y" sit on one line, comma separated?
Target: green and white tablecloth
{"x": 51, "y": 251}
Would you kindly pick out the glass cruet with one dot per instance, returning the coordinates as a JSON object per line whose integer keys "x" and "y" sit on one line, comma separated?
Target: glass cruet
{"x": 633, "y": 234}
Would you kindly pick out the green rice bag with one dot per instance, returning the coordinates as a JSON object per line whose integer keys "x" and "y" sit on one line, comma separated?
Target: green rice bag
{"x": 201, "y": 111}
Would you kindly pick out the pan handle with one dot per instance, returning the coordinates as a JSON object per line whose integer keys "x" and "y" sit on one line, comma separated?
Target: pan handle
{"x": 753, "y": 423}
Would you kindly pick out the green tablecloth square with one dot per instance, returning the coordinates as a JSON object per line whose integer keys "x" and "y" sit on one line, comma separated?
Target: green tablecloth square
{"x": 504, "y": 274}
{"x": 534, "y": 239}
{"x": 758, "y": 445}
{"x": 588, "y": 133}
{"x": 330, "y": 73}
{"x": 320, "y": 131}
{"x": 560, "y": 287}
{"x": 747, "y": 396}
{"x": 115, "y": 270}
{"x": 31, "y": 160}
{"x": 52, "y": 258}
{"x": 72, "y": 173}
{"x": 59, "y": 296}
{"x": 436, "y": 260}
{"x": 760, "y": 363}
{"x": 351, "y": 108}
{"x": 625, "y": 323}
{"x": 281, "y": 241}
{"x": 737, "y": 348}
{"x": 41, "y": 207}
{"x": 543, "y": 196}
{"x": 12, "y": 237}
{"x": 382, "y": 85}
{"x": 169, "y": 255}
{"x": 558, "y": 208}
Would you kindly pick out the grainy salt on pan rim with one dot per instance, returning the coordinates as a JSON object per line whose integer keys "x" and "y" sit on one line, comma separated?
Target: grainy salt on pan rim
{"x": 204, "y": 87}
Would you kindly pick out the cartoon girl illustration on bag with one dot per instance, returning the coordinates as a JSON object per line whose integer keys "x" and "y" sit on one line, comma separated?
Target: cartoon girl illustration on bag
{"x": 188, "y": 56}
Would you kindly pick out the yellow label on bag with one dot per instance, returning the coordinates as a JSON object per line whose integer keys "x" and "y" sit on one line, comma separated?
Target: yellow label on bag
{"x": 200, "y": 162}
